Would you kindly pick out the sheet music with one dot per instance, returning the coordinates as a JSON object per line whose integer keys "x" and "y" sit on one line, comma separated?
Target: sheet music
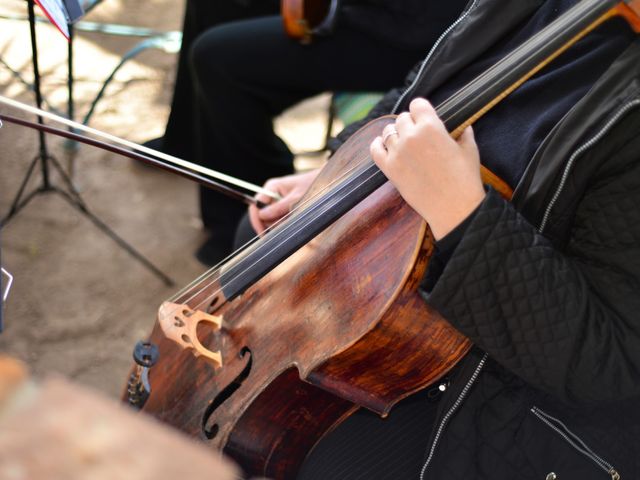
{"x": 56, "y": 12}
{"x": 74, "y": 9}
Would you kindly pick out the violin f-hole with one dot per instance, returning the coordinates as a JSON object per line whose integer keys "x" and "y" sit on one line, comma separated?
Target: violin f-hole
{"x": 209, "y": 427}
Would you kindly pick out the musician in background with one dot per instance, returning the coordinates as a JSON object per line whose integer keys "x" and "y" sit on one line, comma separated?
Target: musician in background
{"x": 199, "y": 16}
{"x": 238, "y": 70}
{"x": 545, "y": 286}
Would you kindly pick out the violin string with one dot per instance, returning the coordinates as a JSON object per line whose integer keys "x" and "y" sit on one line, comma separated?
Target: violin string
{"x": 214, "y": 274}
{"x": 298, "y": 229}
{"x": 361, "y": 165}
{"x": 506, "y": 63}
{"x": 301, "y": 206}
{"x": 214, "y": 271}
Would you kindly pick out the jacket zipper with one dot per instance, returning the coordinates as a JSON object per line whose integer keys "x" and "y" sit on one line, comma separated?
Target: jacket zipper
{"x": 583, "y": 148}
{"x": 575, "y": 441}
{"x": 450, "y": 412}
{"x": 418, "y": 77}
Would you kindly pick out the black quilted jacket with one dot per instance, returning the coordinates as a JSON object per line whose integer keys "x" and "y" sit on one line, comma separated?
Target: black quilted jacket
{"x": 547, "y": 287}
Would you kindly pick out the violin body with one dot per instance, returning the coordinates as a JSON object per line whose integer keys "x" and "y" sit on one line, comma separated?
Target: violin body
{"x": 302, "y": 18}
{"x": 337, "y": 326}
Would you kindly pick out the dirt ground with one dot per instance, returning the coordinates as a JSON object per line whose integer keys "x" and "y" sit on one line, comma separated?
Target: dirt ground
{"x": 79, "y": 302}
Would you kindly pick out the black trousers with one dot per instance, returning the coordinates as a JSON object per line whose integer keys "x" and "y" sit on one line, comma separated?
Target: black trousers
{"x": 367, "y": 447}
{"x": 200, "y": 15}
{"x": 242, "y": 74}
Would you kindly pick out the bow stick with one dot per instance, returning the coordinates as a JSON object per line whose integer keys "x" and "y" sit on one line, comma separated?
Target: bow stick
{"x": 172, "y": 164}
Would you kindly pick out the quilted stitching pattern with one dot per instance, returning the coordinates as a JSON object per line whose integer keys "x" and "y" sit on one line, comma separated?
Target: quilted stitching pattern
{"x": 502, "y": 289}
{"x": 540, "y": 312}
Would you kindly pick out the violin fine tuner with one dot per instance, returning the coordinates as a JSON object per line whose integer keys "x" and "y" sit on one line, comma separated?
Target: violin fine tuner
{"x": 145, "y": 355}
{"x": 179, "y": 323}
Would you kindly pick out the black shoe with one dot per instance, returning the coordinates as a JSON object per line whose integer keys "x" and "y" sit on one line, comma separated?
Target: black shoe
{"x": 215, "y": 249}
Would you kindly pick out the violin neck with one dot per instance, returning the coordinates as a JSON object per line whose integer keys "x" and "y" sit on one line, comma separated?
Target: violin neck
{"x": 290, "y": 236}
{"x": 487, "y": 90}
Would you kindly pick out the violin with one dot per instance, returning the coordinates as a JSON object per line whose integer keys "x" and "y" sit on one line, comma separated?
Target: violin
{"x": 262, "y": 356}
{"x": 304, "y": 19}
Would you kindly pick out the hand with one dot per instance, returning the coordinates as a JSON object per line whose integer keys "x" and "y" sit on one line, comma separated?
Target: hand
{"x": 291, "y": 188}
{"x": 437, "y": 175}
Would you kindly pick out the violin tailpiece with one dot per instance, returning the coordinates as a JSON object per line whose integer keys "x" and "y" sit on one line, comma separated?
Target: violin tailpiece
{"x": 180, "y": 322}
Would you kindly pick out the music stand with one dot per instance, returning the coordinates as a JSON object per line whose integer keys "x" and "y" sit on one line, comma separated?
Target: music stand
{"x": 47, "y": 162}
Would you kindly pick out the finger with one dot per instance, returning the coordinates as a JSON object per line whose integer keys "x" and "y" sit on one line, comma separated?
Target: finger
{"x": 404, "y": 122}
{"x": 255, "y": 221}
{"x": 421, "y": 110}
{"x": 467, "y": 140}
{"x": 378, "y": 152}
{"x": 262, "y": 200}
{"x": 389, "y": 136}
{"x": 389, "y": 128}
{"x": 270, "y": 185}
{"x": 277, "y": 186}
{"x": 275, "y": 211}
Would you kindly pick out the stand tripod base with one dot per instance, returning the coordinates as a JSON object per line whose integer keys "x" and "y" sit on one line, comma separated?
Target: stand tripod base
{"x": 72, "y": 196}
{"x": 45, "y": 161}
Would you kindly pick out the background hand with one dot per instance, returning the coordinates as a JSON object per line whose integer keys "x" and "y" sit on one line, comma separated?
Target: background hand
{"x": 291, "y": 188}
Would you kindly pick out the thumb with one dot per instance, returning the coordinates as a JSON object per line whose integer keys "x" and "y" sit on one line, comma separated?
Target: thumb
{"x": 467, "y": 140}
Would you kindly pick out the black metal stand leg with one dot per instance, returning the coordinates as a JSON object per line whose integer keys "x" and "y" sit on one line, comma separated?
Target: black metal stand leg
{"x": 74, "y": 198}
{"x": 71, "y": 188}
{"x": 21, "y": 204}
{"x": 36, "y": 83}
{"x": 81, "y": 206}
{"x": 71, "y": 194}
{"x": 70, "y": 147}
{"x": 16, "y": 204}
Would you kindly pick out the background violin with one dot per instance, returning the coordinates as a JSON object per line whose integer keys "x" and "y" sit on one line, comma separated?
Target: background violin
{"x": 305, "y": 18}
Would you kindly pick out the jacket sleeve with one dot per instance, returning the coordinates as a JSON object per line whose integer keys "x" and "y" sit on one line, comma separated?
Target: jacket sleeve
{"x": 567, "y": 322}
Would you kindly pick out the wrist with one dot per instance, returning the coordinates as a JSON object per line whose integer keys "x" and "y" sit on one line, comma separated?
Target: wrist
{"x": 446, "y": 219}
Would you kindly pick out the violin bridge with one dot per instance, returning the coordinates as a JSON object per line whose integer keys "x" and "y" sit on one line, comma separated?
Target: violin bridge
{"x": 179, "y": 323}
